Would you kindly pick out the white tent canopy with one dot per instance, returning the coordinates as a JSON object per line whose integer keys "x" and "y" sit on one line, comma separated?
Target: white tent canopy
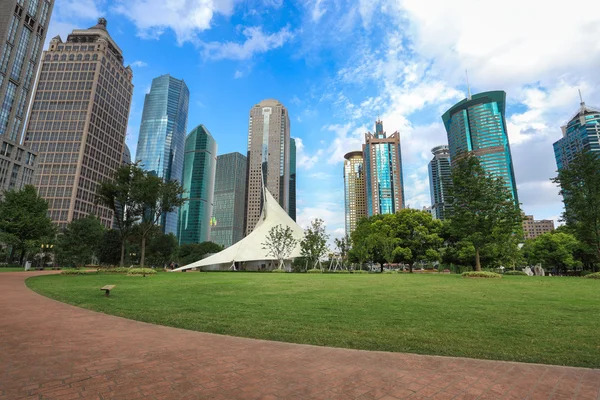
{"x": 250, "y": 248}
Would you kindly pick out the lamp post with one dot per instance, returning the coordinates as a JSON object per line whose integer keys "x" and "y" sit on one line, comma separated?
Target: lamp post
{"x": 45, "y": 248}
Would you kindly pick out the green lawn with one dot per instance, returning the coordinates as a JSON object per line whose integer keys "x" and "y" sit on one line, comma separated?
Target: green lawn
{"x": 12, "y": 269}
{"x": 547, "y": 320}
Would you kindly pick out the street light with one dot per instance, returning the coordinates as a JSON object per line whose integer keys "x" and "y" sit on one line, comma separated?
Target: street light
{"x": 45, "y": 248}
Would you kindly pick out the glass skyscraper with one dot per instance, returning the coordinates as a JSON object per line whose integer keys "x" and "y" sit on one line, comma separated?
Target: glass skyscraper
{"x": 383, "y": 172}
{"x": 439, "y": 181}
{"x": 292, "y": 212}
{"x": 580, "y": 134}
{"x": 199, "y": 184}
{"x": 229, "y": 201}
{"x": 477, "y": 125}
{"x": 354, "y": 189}
{"x": 162, "y": 134}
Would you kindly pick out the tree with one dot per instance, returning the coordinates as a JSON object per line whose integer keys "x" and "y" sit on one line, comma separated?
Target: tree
{"x": 24, "y": 220}
{"x": 361, "y": 250}
{"x": 314, "y": 244}
{"x": 118, "y": 194}
{"x": 580, "y": 188}
{"x": 280, "y": 243}
{"x": 189, "y": 253}
{"x": 162, "y": 248}
{"x": 156, "y": 198}
{"x": 553, "y": 250}
{"x": 110, "y": 247}
{"x": 484, "y": 211}
{"x": 79, "y": 244}
{"x": 343, "y": 245}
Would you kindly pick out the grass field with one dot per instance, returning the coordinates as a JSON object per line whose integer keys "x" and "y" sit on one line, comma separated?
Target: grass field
{"x": 12, "y": 269}
{"x": 547, "y": 320}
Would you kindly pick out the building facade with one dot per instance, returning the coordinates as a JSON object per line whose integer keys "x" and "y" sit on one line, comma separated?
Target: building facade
{"x": 268, "y": 158}
{"x": 162, "y": 135}
{"x": 229, "y": 201}
{"x": 440, "y": 180}
{"x": 383, "y": 172}
{"x": 200, "y": 163}
{"x": 580, "y": 134}
{"x": 292, "y": 212}
{"x": 477, "y": 126}
{"x": 78, "y": 122}
{"x": 355, "y": 196}
{"x": 533, "y": 228}
{"x": 23, "y": 26}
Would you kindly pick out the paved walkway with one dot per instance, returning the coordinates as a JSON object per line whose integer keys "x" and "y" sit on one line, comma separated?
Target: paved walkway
{"x": 52, "y": 350}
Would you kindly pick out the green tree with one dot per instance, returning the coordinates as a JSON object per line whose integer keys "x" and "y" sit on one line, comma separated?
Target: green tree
{"x": 361, "y": 251}
{"x": 24, "y": 220}
{"x": 118, "y": 194}
{"x": 343, "y": 245}
{"x": 484, "y": 211}
{"x": 280, "y": 243}
{"x": 79, "y": 244}
{"x": 314, "y": 243}
{"x": 109, "y": 251}
{"x": 162, "y": 249}
{"x": 553, "y": 250}
{"x": 189, "y": 253}
{"x": 580, "y": 188}
{"x": 156, "y": 198}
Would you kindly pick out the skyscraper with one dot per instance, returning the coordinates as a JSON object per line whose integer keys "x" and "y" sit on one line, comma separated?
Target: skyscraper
{"x": 580, "y": 134}
{"x": 268, "y": 158}
{"x": 383, "y": 172}
{"x": 439, "y": 181}
{"x": 476, "y": 125}
{"x": 229, "y": 202}
{"x": 292, "y": 212}
{"x": 199, "y": 184}
{"x": 162, "y": 134}
{"x": 354, "y": 189}
{"x": 79, "y": 121}
{"x": 23, "y": 26}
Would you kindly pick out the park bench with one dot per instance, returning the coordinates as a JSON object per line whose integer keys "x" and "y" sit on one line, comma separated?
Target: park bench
{"x": 107, "y": 289}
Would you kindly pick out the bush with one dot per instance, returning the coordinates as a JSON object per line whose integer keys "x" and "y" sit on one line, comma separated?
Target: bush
{"x": 480, "y": 274}
{"x": 390, "y": 272}
{"x": 141, "y": 271}
{"x": 341, "y": 271}
{"x": 515, "y": 273}
{"x": 586, "y": 273}
{"x": 314, "y": 271}
{"x": 278, "y": 270}
{"x": 72, "y": 271}
{"x": 593, "y": 276}
{"x": 360, "y": 271}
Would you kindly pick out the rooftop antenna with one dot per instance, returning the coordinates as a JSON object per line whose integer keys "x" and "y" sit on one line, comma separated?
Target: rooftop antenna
{"x": 468, "y": 86}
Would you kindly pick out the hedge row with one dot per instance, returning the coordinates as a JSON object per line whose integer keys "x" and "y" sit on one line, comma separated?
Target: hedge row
{"x": 480, "y": 274}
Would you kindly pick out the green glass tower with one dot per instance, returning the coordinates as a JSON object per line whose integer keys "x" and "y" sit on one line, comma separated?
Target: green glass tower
{"x": 476, "y": 125}
{"x": 199, "y": 169}
{"x": 440, "y": 180}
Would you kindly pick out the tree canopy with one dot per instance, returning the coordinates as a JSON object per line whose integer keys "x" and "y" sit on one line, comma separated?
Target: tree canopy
{"x": 280, "y": 243}
{"x": 314, "y": 244}
{"x": 189, "y": 253}
{"x": 80, "y": 242}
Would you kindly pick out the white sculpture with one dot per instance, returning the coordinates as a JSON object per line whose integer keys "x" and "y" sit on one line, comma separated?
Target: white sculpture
{"x": 528, "y": 271}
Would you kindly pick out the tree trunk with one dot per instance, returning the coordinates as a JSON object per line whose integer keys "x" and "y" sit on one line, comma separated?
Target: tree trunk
{"x": 122, "y": 262}
{"x": 23, "y": 251}
{"x": 477, "y": 261}
{"x": 143, "y": 254}
{"x": 410, "y": 268}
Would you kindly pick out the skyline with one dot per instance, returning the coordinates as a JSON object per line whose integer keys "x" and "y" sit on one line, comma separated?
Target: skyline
{"x": 334, "y": 87}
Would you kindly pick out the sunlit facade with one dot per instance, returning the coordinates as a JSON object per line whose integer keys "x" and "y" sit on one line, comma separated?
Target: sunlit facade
{"x": 477, "y": 126}
{"x": 439, "y": 181}
{"x": 162, "y": 134}
{"x": 354, "y": 189}
{"x": 199, "y": 172}
{"x": 383, "y": 172}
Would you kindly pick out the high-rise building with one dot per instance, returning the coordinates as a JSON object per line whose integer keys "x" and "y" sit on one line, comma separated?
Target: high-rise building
{"x": 23, "y": 26}
{"x": 199, "y": 171}
{"x": 440, "y": 180}
{"x": 383, "y": 172}
{"x": 355, "y": 195}
{"x": 477, "y": 126}
{"x": 162, "y": 135}
{"x": 580, "y": 134}
{"x": 292, "y": 212}
{"x": 533, "y": 228}
{"x": 229, "y": 201}
{"x": 78, "y": 122}
{"x": 268, "y": 158}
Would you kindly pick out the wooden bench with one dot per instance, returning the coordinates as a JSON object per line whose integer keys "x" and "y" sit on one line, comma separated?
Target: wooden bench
{"x": 107, "y": 289}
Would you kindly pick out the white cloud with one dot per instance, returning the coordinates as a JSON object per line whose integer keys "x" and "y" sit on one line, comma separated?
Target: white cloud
{"x": 256, "y": 42}
{"x": 238, "y": 74}
{"x": 318, "y": 10}
{"x": 303, "y": 159}
{"x": 139, "y": 64}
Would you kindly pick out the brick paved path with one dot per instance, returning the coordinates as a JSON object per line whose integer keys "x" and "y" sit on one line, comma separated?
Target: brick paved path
{"x": 51, "y": 350}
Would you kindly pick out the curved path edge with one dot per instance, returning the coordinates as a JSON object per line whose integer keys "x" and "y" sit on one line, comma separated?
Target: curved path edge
{"x": 52, "y": 350}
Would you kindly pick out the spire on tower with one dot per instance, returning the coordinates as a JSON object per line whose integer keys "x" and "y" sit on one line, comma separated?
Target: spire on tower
{"x": 468, "y": 86}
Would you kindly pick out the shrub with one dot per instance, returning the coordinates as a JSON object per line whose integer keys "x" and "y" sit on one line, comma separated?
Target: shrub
{"x": 360, "y": 271}
{"x": 278, "y": 270}
{"x": 390, "y": 272}
{"x": 515, "y": 273}
{"x": 314, "y": 271}
{"x": 141, "y": 271}
{"x": 586, "y": 273}
{"x": 593, "y": 276}
{"x": 72, "y": 271}
{"x": 480, "y": 274}
{"x": 341, "y": 271}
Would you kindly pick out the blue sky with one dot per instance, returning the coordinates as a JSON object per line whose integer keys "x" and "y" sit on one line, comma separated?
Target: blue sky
{"x": 338, "y": 64}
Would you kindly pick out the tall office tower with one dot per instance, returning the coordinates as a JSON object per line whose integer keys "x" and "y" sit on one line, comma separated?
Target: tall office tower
{"x": 229, "y": 202}
{"x": 533, "y": 228}
{"x": 580, "y": 134}
{"x": 23, "y": 25}
{"x": 476, "y": 125}
{"x": 383, "y": 172}
{"x": 292, "y": 212}
{"x": 162, "y": 135}
{"x": 79, "y": 121}
{"x": 440, "y": 180}
{"x": 268, "y": 158}
{"x": 355, "y": 195}
{"x": 200, "y": 163}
